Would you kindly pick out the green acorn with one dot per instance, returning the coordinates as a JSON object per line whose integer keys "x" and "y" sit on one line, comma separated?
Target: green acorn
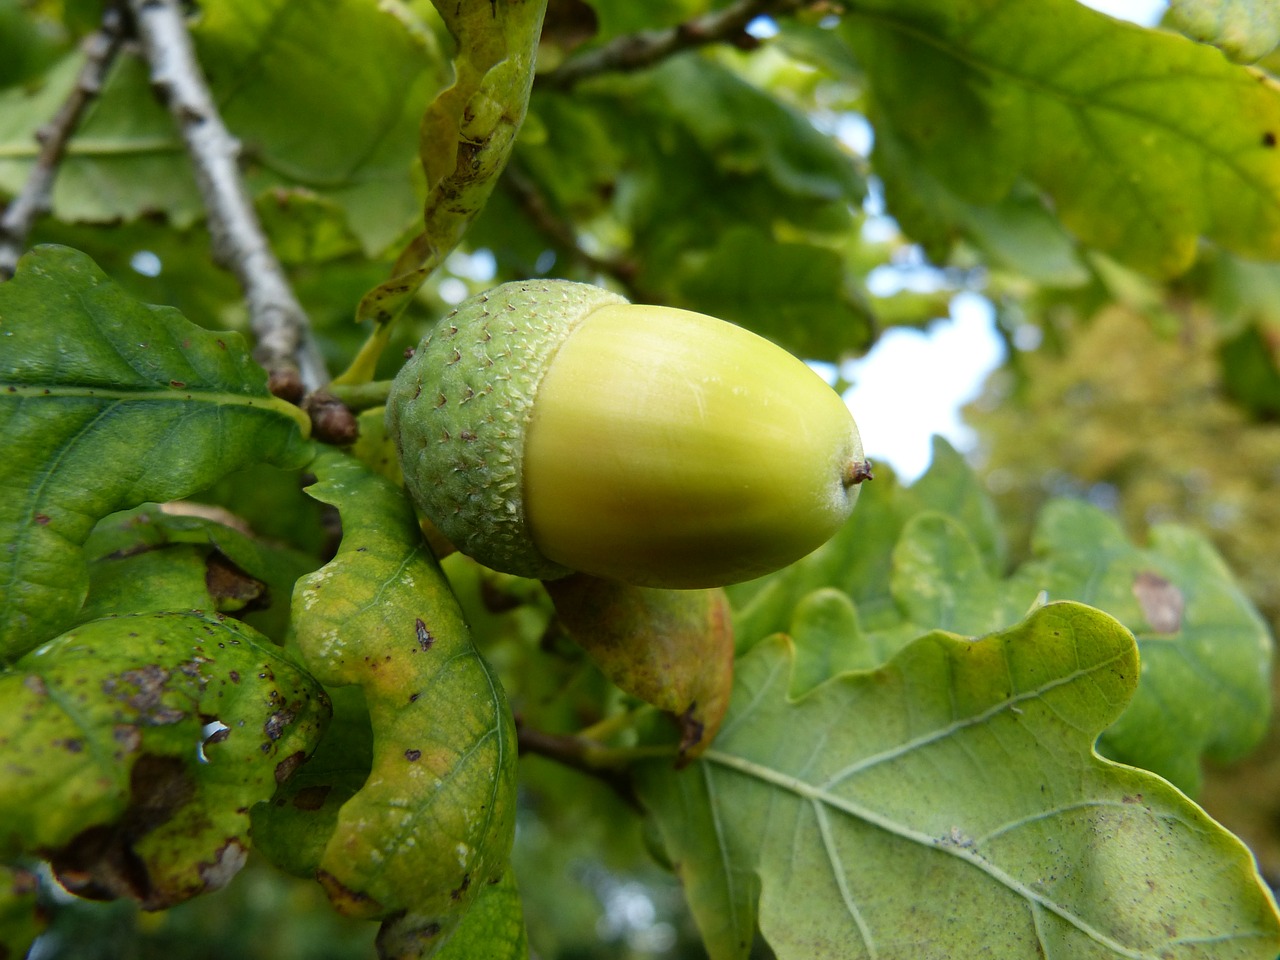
{"x": 547, "y": 427}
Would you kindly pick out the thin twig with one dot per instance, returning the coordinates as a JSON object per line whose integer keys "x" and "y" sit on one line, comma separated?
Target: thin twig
{"x": 534, "y": 204}
{"x": 639, "y": 50}
{"x": 36, "y": 196}
{"x": 284, "y": 344}
{"x": 587, "y": 756}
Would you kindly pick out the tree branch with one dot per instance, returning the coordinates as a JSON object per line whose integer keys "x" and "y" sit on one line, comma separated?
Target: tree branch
{"x": 641, "y": 50}
{"x": 587, "y": 756}
{"x": 35, "y": 197}
{"x": 284, "y": 343}
{"x": 561, "y": 233}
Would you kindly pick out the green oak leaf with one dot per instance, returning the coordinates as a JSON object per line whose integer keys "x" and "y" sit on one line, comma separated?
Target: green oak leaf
{"x": 126, "y": 157}
{"x": 184, "y": 555}
{"x": 434, "y": 821}
{"x": 106, "y": 403}
{"x": 828, "y": 639}
{"x": 796, "y": 294}
{"x": 293, "y": 829}
{"x": 950, "y": 804}
{"x": 20, "y": 917}
{"x": 939, "y": 582}
{"x": 493, "y": 928}
{"x": 1206, "y": 652}
{"x": 271, "y": 66}
{"x": 858, "y": 559}
{"x": 1144, "y": 141}
{"x": 134, "y": 746}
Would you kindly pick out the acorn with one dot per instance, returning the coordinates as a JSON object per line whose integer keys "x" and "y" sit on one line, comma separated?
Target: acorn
{"x": 547, "y": 427}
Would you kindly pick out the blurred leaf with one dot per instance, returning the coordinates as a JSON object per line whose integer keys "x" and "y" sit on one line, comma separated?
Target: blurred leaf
{"x": 796, "y": 294}
{"x": 433, "y": 823}
{"x": 1206, "y": 654}
{"x": 109, "y": 403}
{"x": 1245, "y": 30}
{"x": 940, "y": 582}
{"x": 1250, "y": 376}
{"x": 135, "y": 745}
{"x": 1144, "y": 140}
{"x": 1021, "y": 235}
{"x": 619, "y": 17}
{"x": 305, "y": 227}
{"x": 950, "y": 804}
{"x": 270, "y": 66}
{"x": 622, "y": 160}
{"x": 28, "y": 43}
{"x": 125, "y": 159}
{"x": 20, "y": 919}
{"x": 828, "y": 640}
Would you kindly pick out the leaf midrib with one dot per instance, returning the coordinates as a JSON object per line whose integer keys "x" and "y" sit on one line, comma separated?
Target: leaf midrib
{"x": 819, "y": 795}
{"x": 184, "y": 394}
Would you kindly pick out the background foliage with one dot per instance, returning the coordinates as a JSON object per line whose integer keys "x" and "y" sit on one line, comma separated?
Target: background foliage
{"x": 977, "y": 721}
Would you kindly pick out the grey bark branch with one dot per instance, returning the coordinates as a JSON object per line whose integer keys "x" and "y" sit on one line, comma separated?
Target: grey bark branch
{"x": 640, "y": 50}
{"x": 284, "y": 343}
{"x": 35, "y": 197}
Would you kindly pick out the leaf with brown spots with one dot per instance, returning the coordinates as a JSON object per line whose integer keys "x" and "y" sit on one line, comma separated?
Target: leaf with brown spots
{"x": 129, "y": 755}
{"x": 1206, "y": 652}
{"x": 435, "y": 819}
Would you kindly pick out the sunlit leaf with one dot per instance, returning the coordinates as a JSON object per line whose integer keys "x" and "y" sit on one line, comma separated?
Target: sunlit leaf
{"x": 1245, "y": 30}
{"x": 949, "y": 805}
{"x": 1143, "y": 140}
{"x": 1206, "y": 653}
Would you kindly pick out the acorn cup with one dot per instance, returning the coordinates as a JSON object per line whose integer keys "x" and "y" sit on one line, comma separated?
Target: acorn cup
{"x": 548, "y": 427}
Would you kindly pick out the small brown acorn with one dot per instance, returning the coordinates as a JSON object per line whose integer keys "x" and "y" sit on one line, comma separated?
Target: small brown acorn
{"x": 548, "y": 427}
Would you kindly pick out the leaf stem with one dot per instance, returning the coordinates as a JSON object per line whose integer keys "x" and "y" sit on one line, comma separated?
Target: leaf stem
{"x": 35, "y": 197}
{"x": 608, "y": 764}
{"x": 284, "y": 343}
{"x": 532, "y": 200}
{"x": 614, "y": 724}
{"x": 361, "y": 396}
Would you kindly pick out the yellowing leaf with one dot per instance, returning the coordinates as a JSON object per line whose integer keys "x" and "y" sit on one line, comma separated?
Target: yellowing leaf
{"x": 434, "y": 821}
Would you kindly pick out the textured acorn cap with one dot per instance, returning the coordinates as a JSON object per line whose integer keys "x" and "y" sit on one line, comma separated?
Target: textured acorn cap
{"x": 460, "y": 406}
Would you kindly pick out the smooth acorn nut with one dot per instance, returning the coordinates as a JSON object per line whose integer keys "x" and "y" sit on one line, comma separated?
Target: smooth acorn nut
{"x": 547, "y": 427}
